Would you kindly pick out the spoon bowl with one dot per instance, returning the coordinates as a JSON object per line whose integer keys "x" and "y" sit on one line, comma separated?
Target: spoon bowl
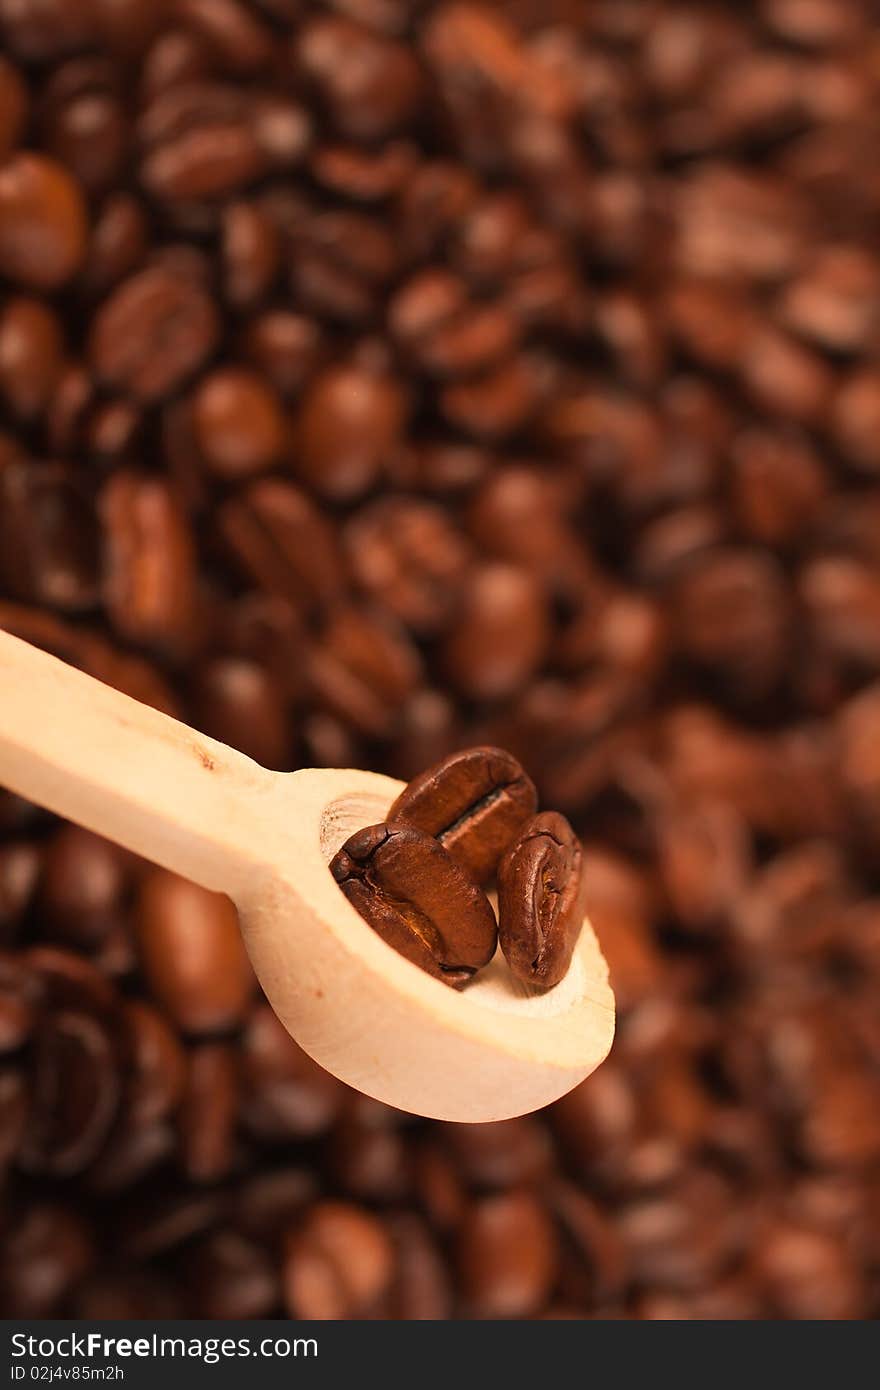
{"x": 488, "y": 1052}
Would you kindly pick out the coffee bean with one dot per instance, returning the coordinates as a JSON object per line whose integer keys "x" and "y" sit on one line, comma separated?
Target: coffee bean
{"x": 154, "y": 331}
{"x": 43, "y": 224}
{"x": 283, "y": 543}
{"x": 501, "y": 635}
{"x": 473, "y": 803}
{"x": 191, "y": 952}
{"x": 371, "y": 85}
{"x": 84, "y": 887}
{"x": 288, "y": 1096}
{"x": 338, "y": 1263}
{"x": 410, "y": 891}
{"x": 506, "y": 1256}
{"x": 48, "y": 545}
{"x": 238, "y": 424}
{"x": 31, "y": 355}
{"x": 363, "y": 670}
{"x": 541, "y": 900}
{"x": 251, "y": 254}
{"x": 208, "y": 1110}
{"x": 348, "y": 425}
{"x": 148, "y": 561}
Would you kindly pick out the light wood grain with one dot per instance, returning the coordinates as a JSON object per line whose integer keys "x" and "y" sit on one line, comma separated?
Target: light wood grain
{"x": 185, "y": 801}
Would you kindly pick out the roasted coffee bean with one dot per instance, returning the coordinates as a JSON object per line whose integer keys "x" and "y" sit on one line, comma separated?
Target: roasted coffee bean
{"x": 208, "y": 1110}
{"x": 31, "y": 355}
{"x": 84, "y": 887}
{"x": 43, "y": 223}
{"x": 154, "y": 331}
{"x": 191, "y": 953}
{"x": 238, "y": 703}
{"x": 347, "y": 428}
{"x": 507, "y": 1253}
{"x": 418, "y": 899}
{"x": 283, "y": 543}
{"x": 149, "y": 561}
{"x": 338, "y": 1263}
{"x": 48, "y": 540}
{"x": 473, "y": 803}
{"x": 238, "y": 424}
{"x": 541, "y": 899}
{"x": 287, "y": 1095}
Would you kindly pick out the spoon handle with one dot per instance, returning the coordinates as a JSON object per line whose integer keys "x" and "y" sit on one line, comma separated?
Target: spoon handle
{"x": 138, "y": 777}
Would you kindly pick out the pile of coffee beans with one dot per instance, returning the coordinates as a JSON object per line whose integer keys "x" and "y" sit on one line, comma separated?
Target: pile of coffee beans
{"x": 416, "y": 877}
{"x": 380, "y": 378}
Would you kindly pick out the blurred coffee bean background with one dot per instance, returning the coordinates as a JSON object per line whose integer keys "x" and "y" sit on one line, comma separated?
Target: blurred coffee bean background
{"x": 378, "y": 377}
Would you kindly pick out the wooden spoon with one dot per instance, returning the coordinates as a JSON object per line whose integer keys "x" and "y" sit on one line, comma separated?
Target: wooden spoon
{"x": 370, "y": 1017}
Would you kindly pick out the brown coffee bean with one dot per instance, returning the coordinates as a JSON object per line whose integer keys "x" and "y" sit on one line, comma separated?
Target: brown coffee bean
{"x": 19, "y": 871}
{"x": 411, "y": 557}
{"x": 501, "y": 633}
{"x": 541, "y": 900}
{"x": 118, "y": 239}
{"x": 154, "y": 331}
{"x": 363, "y": 669}
{"x": 238, "y": 703}
{"x": 239, "y": 38}
{"x": 43, "y": 223}
{"x": 417, "y": 898}
{"x": 507, "y": 1255}
{"x": 48, "y": 1249}
{"x": 283, "y": 543}
{"x": 251, "y": 254}
{"x": 19, "y": 1002}
{"x": 232, "y": 1277}
{"x": 158, "y": 1064}
{"x": 473, "y": 803}
{"x": 76, "y": 1086}
{"x": 84, "y": 887}
{"x": 371, "y": 85}
{"x": 208, "y": 1112}
{"x": 238, "y": 424}
{"x": 149, "y": 561}
{"x": 854, "y": 419}
{"x": 48, "y": 544}
{"x": 337, "y": 1263}
{"x": 191, "y": 953}
{"x": 422, "y": 1286}
{"x": 347, "y": 427}
{"x": 31, "y": 356}
{"x": 284, "y": 347}
{"x": 287, "y": 1095}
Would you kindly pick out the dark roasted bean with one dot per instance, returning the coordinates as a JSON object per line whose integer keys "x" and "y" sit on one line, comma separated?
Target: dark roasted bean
{"x": 191, "y": 953}
{"x": 473, "y": 802}
{"x": 347, "y": 427}
{"x": 417, "y": 898}
{"x": 541, "y": 900}
{"x": 506, "y": 1256}
{"x": 42, "y": 222}
{"x": 31, "y": 355}
{"x": 153, "y": 332}
{"x": 149, "y": 581}
{"x": 338, "y": 1262}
